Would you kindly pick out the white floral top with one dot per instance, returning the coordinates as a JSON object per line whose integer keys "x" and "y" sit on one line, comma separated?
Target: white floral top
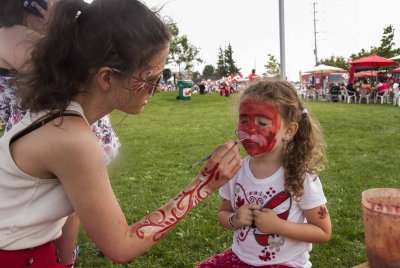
{"x": 11, "y": 114}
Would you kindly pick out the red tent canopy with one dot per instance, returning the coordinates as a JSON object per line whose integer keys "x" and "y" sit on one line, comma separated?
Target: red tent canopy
{"x": 367, "y": 73}
{"x": 397, "y": 70}
{"x": 373, "y": 60}
{"x": 370, "y": 61}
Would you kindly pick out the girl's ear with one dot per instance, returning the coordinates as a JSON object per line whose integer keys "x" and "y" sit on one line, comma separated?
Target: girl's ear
{"x": 291, "y": 130}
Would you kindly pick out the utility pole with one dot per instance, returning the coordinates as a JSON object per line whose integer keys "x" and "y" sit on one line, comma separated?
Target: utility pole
{"x": 282, "y": 39}
{"x": 315, "y": 36}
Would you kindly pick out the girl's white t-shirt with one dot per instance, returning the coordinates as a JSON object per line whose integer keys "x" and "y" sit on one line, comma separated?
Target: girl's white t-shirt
{"x": 257, "y": 248}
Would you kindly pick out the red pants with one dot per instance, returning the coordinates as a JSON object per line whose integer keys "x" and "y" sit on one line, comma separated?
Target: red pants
{"x": 43, "y": 256}
{"x": 228, "y": 259}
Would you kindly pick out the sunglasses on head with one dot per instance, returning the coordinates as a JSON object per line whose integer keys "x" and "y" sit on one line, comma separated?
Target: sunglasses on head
{"x": 153, "y": 86}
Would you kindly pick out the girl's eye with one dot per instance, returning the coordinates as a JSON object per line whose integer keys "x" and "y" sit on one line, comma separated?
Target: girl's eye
{"x": 243, "y": 121}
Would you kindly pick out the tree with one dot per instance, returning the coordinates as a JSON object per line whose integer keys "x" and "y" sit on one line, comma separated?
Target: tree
{"x": 386, "y": 49}
{"x": 272, "y": 67}
{"x": 363, "y": 53}
{"x": 222, "y": 69}
{"x": 196, "y": 77}
{"x": 182, "y": 52}
{"x": 209, "y": 72}
{"x": 337, "y": 61}
{"x": 229, "y": 62}
{"x": 225, "y": 63}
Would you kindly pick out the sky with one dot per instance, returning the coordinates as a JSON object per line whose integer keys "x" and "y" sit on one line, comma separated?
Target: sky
{"x": 252, "y": 28}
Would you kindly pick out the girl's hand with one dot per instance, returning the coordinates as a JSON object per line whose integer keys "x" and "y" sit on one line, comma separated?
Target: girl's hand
{"x": 244, "y": 215}
{"x": 267, "y": 221}
{"x": 224, "y": 163}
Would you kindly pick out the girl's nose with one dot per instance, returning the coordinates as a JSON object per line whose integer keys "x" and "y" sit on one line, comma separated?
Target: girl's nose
{"x": 252, "y": 127}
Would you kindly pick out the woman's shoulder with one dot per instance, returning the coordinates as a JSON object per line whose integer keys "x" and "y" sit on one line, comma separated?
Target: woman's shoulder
{"x": 70, "y": 135}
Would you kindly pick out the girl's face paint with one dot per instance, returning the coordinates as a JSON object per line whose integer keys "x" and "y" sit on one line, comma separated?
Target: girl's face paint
{"x": 261, "y": 122}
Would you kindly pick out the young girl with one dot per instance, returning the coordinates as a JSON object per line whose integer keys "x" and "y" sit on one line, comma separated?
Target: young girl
{"x": 275, "y": 204}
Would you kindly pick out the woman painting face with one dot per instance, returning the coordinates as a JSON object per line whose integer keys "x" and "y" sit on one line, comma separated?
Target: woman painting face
{"x": 258, "y": 125}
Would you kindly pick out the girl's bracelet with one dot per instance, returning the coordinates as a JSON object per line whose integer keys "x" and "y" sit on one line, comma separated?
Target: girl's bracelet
{"x": 230, "y": 220}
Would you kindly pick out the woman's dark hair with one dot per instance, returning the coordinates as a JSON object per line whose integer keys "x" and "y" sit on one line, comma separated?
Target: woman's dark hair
{"x": 12, "y": 13}
{"x": 306, "y": 151}
{"x": 82, "y": 38}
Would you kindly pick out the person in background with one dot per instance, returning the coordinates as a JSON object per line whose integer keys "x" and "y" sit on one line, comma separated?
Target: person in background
{"x": 350, "y": 90}
{"x": 95, "y": 58}
{"x": 396, "y": 93}
{"x": 365, "y": 87}
{"x": 381, "y": 87}
{"x": 20, "y": 30}
{"x": 342, "y": 89}
{"x": 253, "y": 77}
{"x": 227, "y": 89}
{"x": 350, "y": 87}
{"x": 202, "y": 87}
{"x": 23, "y": 23}
{"x": 221, "y": 87}
{"x": 275, "y": 204}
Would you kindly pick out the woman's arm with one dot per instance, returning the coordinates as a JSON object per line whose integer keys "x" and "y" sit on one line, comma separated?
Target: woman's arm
{"x": 66, "y": 243}
{"x": 79, "y": 164}
{"x": 317, "y": 229}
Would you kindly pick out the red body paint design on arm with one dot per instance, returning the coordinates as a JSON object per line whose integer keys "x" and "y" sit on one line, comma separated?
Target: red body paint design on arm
{"x": 158, "y": 223}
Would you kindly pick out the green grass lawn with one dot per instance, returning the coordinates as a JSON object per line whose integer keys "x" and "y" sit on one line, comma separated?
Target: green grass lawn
{"x": 159, "y": 145}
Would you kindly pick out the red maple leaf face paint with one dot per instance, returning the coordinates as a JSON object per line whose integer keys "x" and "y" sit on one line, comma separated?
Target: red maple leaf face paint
{"x": 258, "y": 125}
{"x": 148, "y": 79}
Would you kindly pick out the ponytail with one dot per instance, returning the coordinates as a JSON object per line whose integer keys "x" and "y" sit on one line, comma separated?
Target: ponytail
{"x": 53, "y": 76}
{"x": 82, "y": 38}
{"x": 303, "y": 154}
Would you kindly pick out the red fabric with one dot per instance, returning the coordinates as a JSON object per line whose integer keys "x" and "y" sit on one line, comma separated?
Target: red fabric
{"x": 397, "y": 70}
{"x": 366, "y": 73}
{"x": 383, "y": 87}
{"x": 351, "y": 78}
{"x": 227, "y": 91}
{"x": 38, "y": 257}
{"x": 373, "y": 60}
{"x": 228, "y": 259}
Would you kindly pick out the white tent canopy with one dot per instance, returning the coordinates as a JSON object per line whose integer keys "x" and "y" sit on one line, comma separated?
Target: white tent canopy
{"x": 395, "y": 57}
{"x": 322, "y": 68}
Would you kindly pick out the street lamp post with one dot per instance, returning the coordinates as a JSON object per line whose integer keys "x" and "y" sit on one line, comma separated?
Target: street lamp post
{"x": 282, "y": 39}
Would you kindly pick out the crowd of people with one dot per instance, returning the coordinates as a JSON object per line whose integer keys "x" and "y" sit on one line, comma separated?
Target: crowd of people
{"x": 381, "y": 90}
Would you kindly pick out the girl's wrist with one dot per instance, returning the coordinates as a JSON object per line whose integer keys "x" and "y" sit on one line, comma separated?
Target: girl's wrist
{"x": 230, "y": 220}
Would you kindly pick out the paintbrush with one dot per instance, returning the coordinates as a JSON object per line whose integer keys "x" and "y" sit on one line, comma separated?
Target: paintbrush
{"x": 209, "y": 156}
